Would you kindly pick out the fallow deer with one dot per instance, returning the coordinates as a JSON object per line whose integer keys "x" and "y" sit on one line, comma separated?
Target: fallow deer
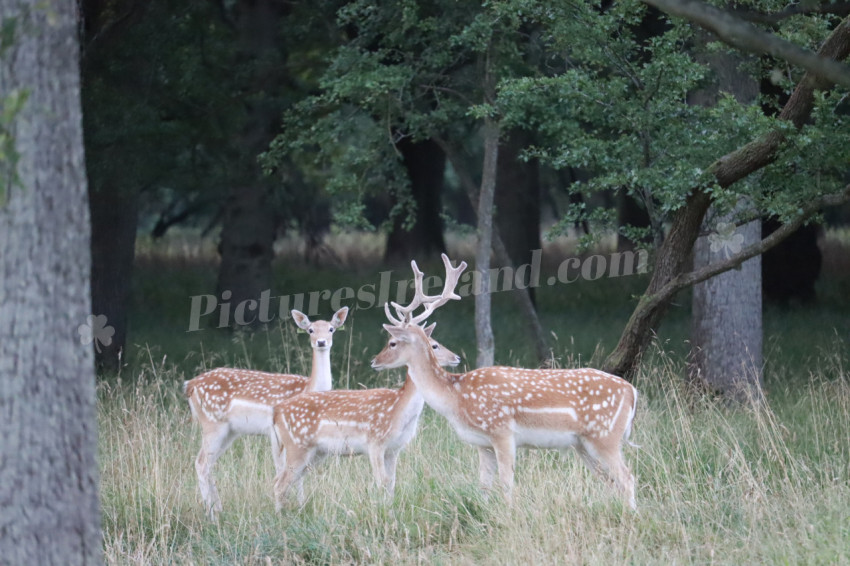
{"x": 229, "y": 403}
{"x": 376, "y": 422}
{"x": 498, "y": 409}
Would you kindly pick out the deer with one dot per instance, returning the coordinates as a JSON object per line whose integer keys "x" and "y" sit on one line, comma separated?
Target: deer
{"x": 229, "y": 403}
{"x": 499, "y": 409}
{"x": 379, "y": 423}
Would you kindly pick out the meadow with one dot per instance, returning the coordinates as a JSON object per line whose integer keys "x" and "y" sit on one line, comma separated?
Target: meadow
{"x": 716, "y": 484}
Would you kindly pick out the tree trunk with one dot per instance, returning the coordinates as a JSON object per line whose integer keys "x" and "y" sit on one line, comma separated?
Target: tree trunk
{"x": 790, "y": 270}
{"x": 426, "y": 166}
{"x": 527, "y": 311}
{"x": 684, "y": 229}
{"x": 249, "y": 220}
{"x": 726, "y": 331}
{"x": 48, "y": 438}
{"x": 483, "y": 300}
{"x": 246, "y": 249}
{"x": 114, "y": 219}
{"x": 518, "y": 202}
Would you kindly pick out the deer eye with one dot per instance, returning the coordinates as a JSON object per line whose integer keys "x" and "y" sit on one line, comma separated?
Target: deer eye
{"x": 331, "y": 329}
{"x": 309, "y": 330}
{"x": 435, "y": 346}
{"x": 392, "y": 344}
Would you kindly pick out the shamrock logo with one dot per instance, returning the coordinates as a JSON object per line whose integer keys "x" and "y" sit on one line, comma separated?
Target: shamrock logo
{"x": 96, "y": 330}
{"x": 725, "y": 239}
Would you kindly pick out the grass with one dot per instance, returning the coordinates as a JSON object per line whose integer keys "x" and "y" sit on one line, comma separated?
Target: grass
{"x": 716, "y": 484}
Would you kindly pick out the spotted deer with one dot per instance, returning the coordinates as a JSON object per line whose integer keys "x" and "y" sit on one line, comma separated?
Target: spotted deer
{"x": 375, "y": 422}
{"x": 498, "y": 409}
{"x": 229, "y": 403}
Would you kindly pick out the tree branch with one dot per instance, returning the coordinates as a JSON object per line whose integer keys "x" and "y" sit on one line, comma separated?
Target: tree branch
{"x": 692, "y": 278}
{"x": 748, "y": 37}
{"x": 838, "y": 9}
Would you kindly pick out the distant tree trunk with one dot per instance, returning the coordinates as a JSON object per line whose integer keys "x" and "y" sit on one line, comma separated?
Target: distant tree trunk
{"x": 48, "y": 436}
{"x": 483, "y": 326}
{"x": 518, "y": 201}
{"x": 630, "y": 213}
{"x": 246, "y": 248}
{"x": 673, "y": 254}
{"x": 726, "y": 331}
{"x": 791, "y": 269}
{"x": 249, "y": 220}
{"x": 426, "y": 165}
{"x": 114, "y": 219}
{"x": 527, "y": 311}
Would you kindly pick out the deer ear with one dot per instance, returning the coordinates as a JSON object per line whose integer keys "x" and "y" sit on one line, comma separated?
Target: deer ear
{"x": 339, "y": 317}
{"x": 300, "y": 319}
{"x": 429, "y": 329}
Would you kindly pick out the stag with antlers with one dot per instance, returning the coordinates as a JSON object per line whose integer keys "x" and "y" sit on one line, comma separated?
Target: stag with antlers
{"x": 499, "y": 409}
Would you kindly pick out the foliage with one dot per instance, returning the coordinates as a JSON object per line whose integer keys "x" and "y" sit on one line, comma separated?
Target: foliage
{"x": 606, "y": 88}
{"x": 11, "y": 104}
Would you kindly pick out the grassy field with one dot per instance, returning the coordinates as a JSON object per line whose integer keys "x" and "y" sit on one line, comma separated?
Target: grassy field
{"x": 716, "y": 485}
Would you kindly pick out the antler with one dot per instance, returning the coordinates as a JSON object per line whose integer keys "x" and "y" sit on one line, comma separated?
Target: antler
{"x": 431, "y": 302}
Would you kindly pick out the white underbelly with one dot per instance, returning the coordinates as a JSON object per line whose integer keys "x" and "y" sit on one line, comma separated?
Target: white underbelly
{"x": 543, "y": 438}
{"x": 246, "y": 417}
{"x": 344, "y": 446}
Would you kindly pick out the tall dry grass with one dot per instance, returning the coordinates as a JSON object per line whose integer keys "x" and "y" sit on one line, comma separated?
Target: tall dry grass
{"x": 716, "y": 485}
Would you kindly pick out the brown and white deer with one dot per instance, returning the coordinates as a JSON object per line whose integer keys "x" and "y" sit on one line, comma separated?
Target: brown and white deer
{"x": 498, "y": 409}
{"x": 229, "y": 403}
{"x": 375, "y": 422}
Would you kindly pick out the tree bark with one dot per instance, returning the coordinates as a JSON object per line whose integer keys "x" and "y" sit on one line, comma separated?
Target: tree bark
{"x": 48, "y": 438}
{"x": 426, "y": 165}
{"x": 684, "y": 229}
{"x": 726, "y": 327}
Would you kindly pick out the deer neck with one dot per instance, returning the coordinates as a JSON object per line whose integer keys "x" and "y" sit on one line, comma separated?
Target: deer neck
{"x": 320, "y": 378}
{"x": 431, "y": 381}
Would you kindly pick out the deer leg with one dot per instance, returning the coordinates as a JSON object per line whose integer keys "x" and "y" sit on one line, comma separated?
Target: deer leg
{"x": 609, "y": 464}
{"x": 278, "y": 452}
{"x": 390, "y": 461}
{"x": 216, "y": 440}
{"x": 292, "y": 472}
{"x": 505, "y": 451}
{"x": 377, "y": 457}
{"x": 487, "y": 466}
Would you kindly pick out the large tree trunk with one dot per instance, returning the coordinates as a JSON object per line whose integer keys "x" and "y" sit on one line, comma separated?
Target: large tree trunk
{"x": 48, "y": 438}
{"x": 249, "y": 220}
{"x": 726, "y": 331}
{"x": 674, "y": 252}
{"x": 426, "y": 166}
{"x": 114, "y": 219}
{"x": 518, "y": 201}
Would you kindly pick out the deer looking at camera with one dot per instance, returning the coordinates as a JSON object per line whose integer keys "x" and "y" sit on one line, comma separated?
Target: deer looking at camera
{"x": 376, "y": 422}
{"x": 229, "y": 403}
{"x": 498, "y": 409}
